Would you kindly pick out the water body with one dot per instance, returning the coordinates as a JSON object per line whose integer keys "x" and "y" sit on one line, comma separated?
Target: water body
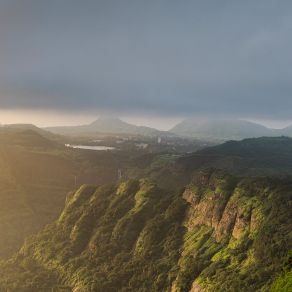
{"x": 86, "y": 147}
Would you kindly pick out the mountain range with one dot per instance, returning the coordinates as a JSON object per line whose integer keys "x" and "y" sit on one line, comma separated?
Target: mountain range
{"x": 223, "y": 130}
{"x": 209, "y": 130}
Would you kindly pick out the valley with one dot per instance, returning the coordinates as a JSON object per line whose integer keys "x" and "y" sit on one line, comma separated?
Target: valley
{"x": 85, "y": 220}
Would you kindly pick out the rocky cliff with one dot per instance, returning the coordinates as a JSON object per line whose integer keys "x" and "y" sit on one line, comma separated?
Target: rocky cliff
{"x": 220, "y": 234}
{"x": 227, "y": 244}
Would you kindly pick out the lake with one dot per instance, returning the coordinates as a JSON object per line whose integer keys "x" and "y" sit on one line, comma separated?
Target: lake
{"x": 87, "y": 147}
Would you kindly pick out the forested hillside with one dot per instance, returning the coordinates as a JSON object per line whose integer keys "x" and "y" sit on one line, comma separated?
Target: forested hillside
{"x": 36, "y": 174}
{"x": 220, "y": 233}
{"x": 266, "y": 156}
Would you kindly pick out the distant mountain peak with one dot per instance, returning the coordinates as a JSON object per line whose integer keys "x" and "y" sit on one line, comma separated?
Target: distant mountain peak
{"x": 221, "y": 129}
{"x": 109, "y": 120}
{"x": 108, "y": 125}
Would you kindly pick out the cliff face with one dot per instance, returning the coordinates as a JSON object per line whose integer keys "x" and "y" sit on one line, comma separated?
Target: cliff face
{"x": 221, "y": 234}
{"x": 222, "y": 204}
{"x": 227, "y": 240}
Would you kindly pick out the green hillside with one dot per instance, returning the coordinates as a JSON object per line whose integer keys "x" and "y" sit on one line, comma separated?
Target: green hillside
{"x": 257, "y": 157}
{"x": 266, "y": 156}
{"x": 283, "y": 282}
{"x": 220, "y": 234}
{"x": 36, "y": 173}
{"x": 35, "y": 176}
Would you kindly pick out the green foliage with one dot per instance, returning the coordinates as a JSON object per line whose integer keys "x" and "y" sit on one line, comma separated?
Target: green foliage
{"x": 255, "y": 241}
{"x": 266, "y": 156}
{"x": 284, "y": 282}
{"x": 107, "y": 239}
{"x": 231, "y": 236}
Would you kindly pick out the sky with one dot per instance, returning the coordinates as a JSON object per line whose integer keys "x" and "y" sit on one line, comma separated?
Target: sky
{"x": 153, "y": 62}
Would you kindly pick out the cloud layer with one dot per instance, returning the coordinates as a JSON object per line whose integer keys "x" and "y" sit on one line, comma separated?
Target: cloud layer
{"x": 169, "y": 58}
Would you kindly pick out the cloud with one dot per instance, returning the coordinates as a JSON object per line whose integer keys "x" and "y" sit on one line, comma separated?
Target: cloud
{"x": 151, "y": 57}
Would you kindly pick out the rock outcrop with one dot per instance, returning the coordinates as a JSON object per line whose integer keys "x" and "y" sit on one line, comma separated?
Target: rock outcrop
{"x": 220, "y": 234}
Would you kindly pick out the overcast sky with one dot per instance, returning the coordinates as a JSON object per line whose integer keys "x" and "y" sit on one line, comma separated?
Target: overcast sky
{"x": 169, "y": 59}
